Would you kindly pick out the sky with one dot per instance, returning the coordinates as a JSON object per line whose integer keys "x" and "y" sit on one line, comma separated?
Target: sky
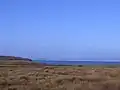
{"x": 60, "y": 29}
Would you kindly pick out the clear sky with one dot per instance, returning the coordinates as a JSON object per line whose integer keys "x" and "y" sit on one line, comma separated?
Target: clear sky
{"x": 58, "y": 29}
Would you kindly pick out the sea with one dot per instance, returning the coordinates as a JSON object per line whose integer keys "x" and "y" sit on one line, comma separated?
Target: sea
{"x": 80, "y": 62}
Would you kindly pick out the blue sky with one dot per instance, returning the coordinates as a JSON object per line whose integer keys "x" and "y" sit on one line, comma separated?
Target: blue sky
{"x": 58, "y": 29}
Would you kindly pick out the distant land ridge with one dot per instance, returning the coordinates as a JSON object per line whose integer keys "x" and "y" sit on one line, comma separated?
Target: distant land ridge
{"x": 14, "y": 58}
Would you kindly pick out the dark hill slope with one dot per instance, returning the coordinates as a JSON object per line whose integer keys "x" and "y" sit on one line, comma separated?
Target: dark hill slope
{"x": 14, "y": 58}
{"x": 12, "y": 61}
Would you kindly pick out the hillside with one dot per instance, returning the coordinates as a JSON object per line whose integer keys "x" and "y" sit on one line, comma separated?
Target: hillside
{"x": 13, "y": 58}
{"x": 12, "y": 61}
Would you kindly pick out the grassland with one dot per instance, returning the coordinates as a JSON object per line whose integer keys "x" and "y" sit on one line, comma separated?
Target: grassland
{"x": 18, "y": 75}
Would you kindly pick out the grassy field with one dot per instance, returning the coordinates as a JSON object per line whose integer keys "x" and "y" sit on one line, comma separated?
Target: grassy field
{"x": 17, "y": 75}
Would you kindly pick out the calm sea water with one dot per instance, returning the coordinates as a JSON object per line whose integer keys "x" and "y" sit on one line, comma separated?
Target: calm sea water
{"x": 78, "y": 62}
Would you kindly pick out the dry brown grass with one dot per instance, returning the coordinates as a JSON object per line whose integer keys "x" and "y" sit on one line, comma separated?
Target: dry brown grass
{"x": 58, "y": 78}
